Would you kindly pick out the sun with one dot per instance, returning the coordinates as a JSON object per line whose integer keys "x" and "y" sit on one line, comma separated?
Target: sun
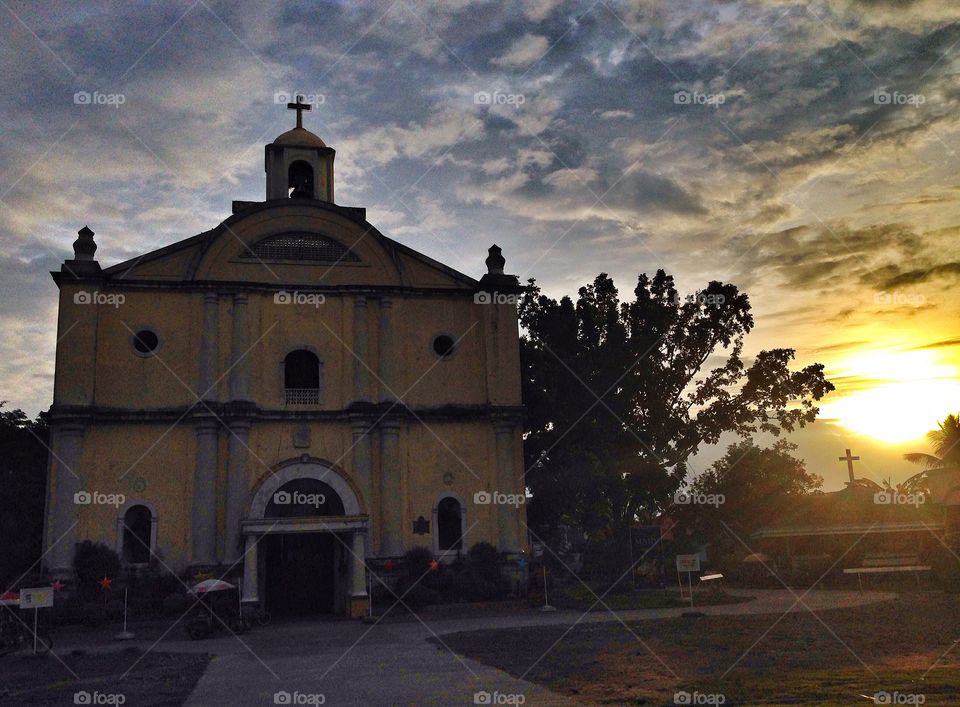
{"x": 894, "y": 396}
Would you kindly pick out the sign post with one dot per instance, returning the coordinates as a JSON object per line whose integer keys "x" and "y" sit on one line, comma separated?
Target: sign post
{"x": 36, "y": 598}
{"x": 688, "y": 564}
{"x": 538, "y": 552}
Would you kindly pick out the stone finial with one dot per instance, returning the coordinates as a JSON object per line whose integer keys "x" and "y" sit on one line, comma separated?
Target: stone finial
{"x": 495, "y": 260}
{"x": 84, "y": 247}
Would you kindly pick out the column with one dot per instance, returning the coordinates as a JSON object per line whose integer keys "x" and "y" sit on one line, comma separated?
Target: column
{"x": 62, "y": 536}
{"x": 362, "y": 469}
{"x": 388, "y": 379}
{"x": 204, "y": 517}
{"x": 391, "y": 501}
{"x": 237, "y": 487}
{"x": 240, "y": 371}
{"x": 250, "y": 566}
{"x": 206, "y": 387}
{"x": 361, "y": 377}
{"x": 358, "y": 576}
{"x": 508, "y": 520}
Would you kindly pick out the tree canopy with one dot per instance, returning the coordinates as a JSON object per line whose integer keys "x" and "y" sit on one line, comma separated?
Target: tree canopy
{"x": 23, "y": 480}
{"x": 619, "y": 394}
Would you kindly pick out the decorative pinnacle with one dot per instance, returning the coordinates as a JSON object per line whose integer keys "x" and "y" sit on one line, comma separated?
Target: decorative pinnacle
{"x": 84, "y": 247}
{"x": 495, "y": 260}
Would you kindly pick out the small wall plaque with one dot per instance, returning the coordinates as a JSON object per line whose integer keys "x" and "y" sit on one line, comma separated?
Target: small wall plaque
{"x": 301, "y": 436}
{"x": 421, "y": 526}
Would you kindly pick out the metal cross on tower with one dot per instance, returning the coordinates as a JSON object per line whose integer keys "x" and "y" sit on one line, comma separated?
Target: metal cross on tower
{"x": 299, "y": 106}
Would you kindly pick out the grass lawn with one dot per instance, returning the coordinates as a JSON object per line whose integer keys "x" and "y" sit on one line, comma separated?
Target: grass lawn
{"x": 906, "y": 646}
{"x": 157, "y": 679}
{"x": 579, "y": 597}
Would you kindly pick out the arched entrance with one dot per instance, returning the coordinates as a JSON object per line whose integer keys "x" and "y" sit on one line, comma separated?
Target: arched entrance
{"x": 305, "y": 539}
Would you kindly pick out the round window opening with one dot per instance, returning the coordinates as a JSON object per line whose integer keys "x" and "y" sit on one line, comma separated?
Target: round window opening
{"x": 443, "y": 346}
{"x": 146, "y": 341}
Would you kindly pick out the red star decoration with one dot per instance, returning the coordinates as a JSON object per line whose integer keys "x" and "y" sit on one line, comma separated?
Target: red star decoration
{"x": 57, "y": 585}
{"x": 105, "y": 583}
{"x": 434, "y": 565}
{"x": 388, "y": 565}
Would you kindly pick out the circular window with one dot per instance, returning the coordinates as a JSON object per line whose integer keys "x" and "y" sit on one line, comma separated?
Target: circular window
{"x": 443, "y": 345}
{"x": 146, "y": 342}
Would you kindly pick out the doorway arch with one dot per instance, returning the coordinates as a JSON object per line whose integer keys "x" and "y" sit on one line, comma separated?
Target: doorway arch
{"x": 306, "y": 540}
{"x": 315, "y": 469}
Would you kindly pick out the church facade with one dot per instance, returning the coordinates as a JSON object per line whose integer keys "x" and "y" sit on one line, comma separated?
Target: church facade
{"x": 290, "y": 394}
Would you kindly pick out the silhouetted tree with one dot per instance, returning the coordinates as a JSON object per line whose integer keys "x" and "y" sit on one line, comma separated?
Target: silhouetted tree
{"x": 757, "y": 487}
{"x": 619, "y": 394}
{"x": 23, "y": 482}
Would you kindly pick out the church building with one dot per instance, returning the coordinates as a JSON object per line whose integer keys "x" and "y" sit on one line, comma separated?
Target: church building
{"x": 289, "y": 397}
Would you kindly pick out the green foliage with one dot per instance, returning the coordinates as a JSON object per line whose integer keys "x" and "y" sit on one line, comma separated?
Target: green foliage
{"x": 619, "y": 396}
{"x": 947, "y": 566}
{"x": 480, "y": 578}
{"x": 415, "y": 564}
{"x": 416, "y": 583}
{"x": 92, "y": 562}
{"x": 757, "y": 485}
{"x": 23, "y": 479}
{"x": 945, "y": 441}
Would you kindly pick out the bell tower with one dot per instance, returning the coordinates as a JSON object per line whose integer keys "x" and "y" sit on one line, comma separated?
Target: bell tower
{"x": 299, "y": 165}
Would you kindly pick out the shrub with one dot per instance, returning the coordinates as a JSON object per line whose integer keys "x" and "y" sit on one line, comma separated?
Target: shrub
{"x": 419, "y": 596}
{"x": 416, "y": 580}
{"x": 92, "y": 562}
{"x": 946, "y": 566}
{"x": 480, "y": 579}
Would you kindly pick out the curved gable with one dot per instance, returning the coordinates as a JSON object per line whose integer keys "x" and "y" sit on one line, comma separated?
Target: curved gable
{"x": 301, "y": 247}
{"x": 293, "y": 242}
{"x": 288, "y": 242}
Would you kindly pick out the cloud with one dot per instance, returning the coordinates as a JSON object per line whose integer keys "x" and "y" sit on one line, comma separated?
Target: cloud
{"x": 912, "y": 277}
{"x": 524, "y": 51}
{"x": 614, "y": 114}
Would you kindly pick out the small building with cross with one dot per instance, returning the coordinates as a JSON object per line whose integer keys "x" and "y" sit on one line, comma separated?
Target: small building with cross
{"x": 288, "y": 398}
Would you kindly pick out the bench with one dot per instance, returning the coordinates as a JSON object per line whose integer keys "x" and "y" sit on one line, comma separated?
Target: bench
{"x": 883, "y": 563}
{"x": 711, "y": 580}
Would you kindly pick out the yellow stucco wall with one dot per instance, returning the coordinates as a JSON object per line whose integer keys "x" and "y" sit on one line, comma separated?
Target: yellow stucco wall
{"x": 134, "y": 409}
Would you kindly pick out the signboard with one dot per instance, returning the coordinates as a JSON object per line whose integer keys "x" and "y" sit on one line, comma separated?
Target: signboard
{"x": 537, "y": 549}
{"x": 688, "y": 563}
{"x": 36, "y": 598}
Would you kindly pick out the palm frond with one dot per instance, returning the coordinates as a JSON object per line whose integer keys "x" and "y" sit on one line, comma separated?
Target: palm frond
{"x": 927, "y": 460}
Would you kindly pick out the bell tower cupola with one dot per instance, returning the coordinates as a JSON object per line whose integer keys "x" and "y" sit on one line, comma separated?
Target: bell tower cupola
{"x": 299, "y": 164}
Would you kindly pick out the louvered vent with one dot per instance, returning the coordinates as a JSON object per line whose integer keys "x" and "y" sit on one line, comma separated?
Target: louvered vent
{"x": 310, "y": 247}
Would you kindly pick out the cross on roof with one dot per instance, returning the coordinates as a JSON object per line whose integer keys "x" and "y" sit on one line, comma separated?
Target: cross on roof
{"x": 849, "y": 459}
{"x": 299, "y": 106}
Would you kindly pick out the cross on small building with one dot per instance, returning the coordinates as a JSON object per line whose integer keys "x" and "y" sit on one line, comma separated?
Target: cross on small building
{"x": 849, "y": 459}
{"x": 299, "y": 106}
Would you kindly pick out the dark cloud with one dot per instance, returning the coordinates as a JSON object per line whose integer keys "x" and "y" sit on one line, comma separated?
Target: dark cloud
{"x": 918, "y": 275}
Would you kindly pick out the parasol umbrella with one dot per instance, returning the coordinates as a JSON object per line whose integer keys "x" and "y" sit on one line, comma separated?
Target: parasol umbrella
{"x": 211, "y": 585}
{"x": 757, "y": 557}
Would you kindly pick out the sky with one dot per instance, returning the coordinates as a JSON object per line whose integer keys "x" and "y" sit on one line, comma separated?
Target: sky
{"x": 804, "y": 151}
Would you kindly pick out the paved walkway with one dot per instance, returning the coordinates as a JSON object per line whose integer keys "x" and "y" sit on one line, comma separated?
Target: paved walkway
{"x": 393, "y": 663}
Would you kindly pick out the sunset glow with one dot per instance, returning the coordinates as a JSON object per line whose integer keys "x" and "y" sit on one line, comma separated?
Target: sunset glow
{"x": 894, "y": 396}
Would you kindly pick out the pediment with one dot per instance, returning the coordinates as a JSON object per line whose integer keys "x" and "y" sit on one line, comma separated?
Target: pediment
{"x": 288, "y": 242}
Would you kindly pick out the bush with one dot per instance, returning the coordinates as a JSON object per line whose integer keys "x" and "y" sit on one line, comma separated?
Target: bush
{"x": 419, "y": 596}
{"x": 480, "y": 579}
{"x": 148, "y": 588}
{"x": 416, "y": 580}
{"x": 415, "y": 563}
{"x": 946, "y": 566}
{"x": 92, "y": 562}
